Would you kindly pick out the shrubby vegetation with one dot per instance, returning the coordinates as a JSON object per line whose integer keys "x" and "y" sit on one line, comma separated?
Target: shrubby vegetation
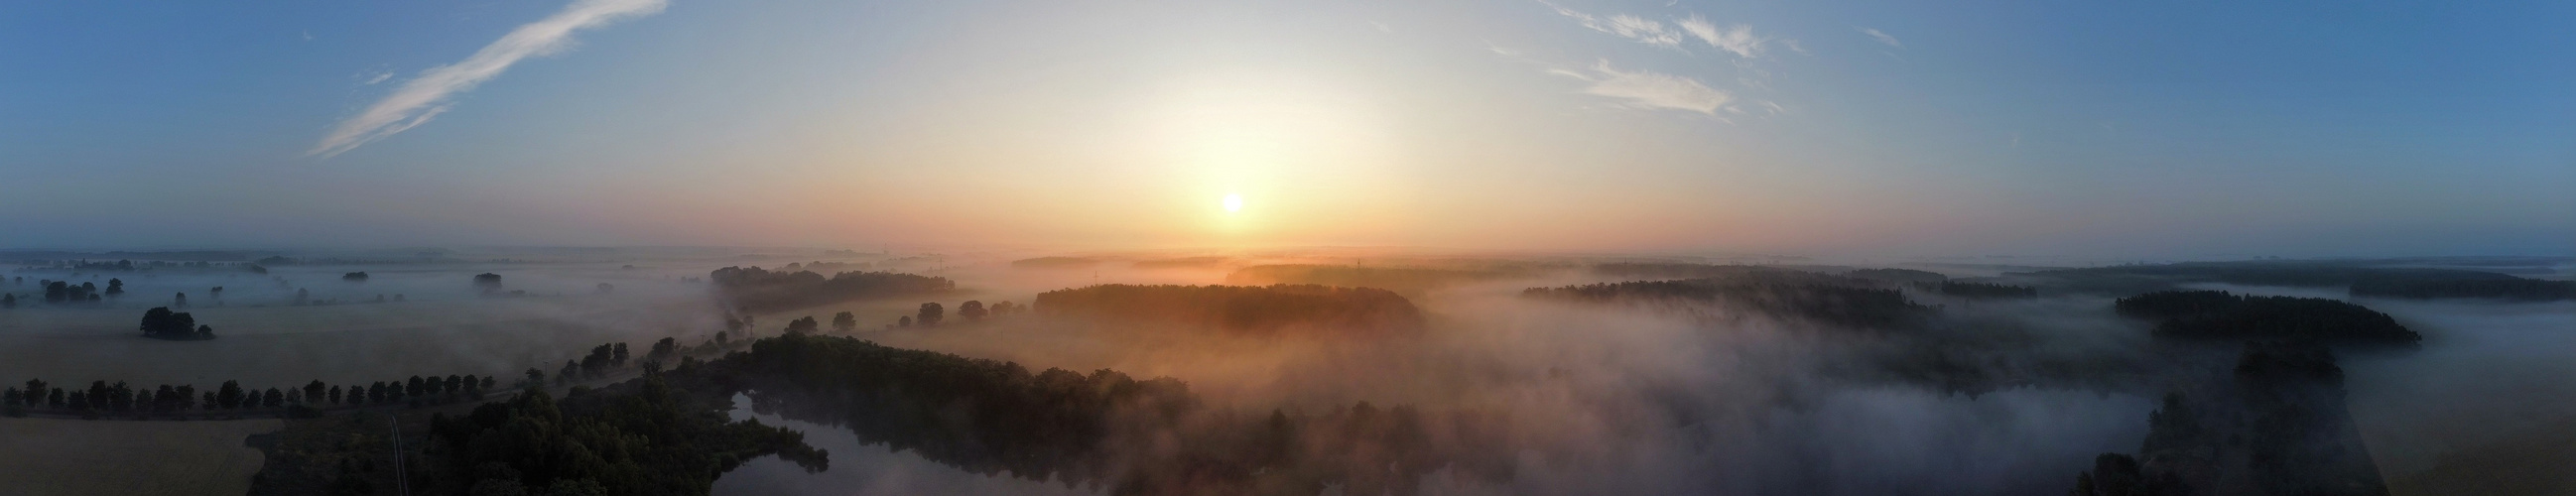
{"x": 2500, "y": 289}
{"x": 2222, "y": 315}
{"x": 1242, "y": 309}
{"x": 756, "y": 289}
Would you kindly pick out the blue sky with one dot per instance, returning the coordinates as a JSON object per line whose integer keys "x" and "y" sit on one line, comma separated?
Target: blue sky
{"x": 2160, "y": 129}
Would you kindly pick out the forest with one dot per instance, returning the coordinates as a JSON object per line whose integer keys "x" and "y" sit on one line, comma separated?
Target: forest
{"x": 1985, "y": 290}
{"x": 759, "y": 290}
{"x": 2273, "y": 423}
{"x": 2515, "y": 289}
{"x": 1239, "y": 309}
{"x": 2223, "y": 315}
{"x": 1781, "y": 294}
{"x": 1412, "y": 280}
{"x": 1103, "y": 429}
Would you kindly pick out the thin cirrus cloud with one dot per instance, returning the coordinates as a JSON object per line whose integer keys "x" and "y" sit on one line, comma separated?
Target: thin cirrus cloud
{"x": 1648, "y": 89}
{"x": 1882, "y": 37}
{"x": 1737, "y": 39}
{"x": 424, "y": 97}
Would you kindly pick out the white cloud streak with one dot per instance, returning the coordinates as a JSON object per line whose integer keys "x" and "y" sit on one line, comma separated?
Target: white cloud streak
{"x": 1643, "y": 30}
{"x": 1650, "y": 90}
{"x": 1738, "y": 39}
{"x": 418, "y": 100}
{"x": 1882, "y": 37}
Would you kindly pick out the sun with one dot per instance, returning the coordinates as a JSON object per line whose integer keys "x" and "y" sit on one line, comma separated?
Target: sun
{"x": 1233, "y": 203}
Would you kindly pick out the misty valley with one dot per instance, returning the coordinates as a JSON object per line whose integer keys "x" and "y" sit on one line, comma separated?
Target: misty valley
{"x": 802, "y": 371}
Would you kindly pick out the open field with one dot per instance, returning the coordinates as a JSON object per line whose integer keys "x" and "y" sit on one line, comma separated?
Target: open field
{"x": 86, "y": 457}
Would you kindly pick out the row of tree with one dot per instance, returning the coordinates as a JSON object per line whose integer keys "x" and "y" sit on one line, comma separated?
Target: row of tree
{"x": 103, "y": 397}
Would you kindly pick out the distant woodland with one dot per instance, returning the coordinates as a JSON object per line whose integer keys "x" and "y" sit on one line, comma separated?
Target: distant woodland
{"x": 2273, "y": 424}
{"x": 1239, "y": 309}
{"x": 761, "y": 290}
{"x": 1784, "y": 294}
{"x": 1985, "y": 290}
{"x": 1399, "y": 279}
{"x": 1103, "y": 429}
{"x": 2498, "y": 289}
{"x": 2222, "y": 315}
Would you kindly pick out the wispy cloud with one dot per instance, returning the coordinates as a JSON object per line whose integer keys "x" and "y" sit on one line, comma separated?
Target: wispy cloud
{"x": 1648, "y": 89}
{"x": 424, "y": 97}
{"x": 1882, "y": 37}
{"x": 1643, "y": 30}
{"x": 1738, "y": 38}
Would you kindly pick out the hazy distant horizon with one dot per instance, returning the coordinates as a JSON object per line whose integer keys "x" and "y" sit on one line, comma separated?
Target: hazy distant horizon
{"x": 1598, "y": 125}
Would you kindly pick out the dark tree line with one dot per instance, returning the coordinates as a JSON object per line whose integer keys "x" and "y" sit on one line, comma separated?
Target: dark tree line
{"x": 2498, "y": 289}
{"x": 66, "y": 292}
{"x": 2275, "y": 423}
{"x": 1812, "y": 297}
{"x": 2223, "y": 315}
{"x": 757, "y": 290}
{"x": 1402, "y": 279}
{"x": 652, "y": 441}
{"x": 1899, "y": 275}
{"x": 1986, "y": 290}
{"x": 1243, "y": 309}
{"x": 2277, "y": 273}
{"x": 161, "y": 323}
{"x": 104, "y": 398}
{"x": 1103, "y": 428}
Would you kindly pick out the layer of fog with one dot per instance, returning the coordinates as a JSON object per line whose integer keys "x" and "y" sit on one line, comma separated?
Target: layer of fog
{"x": 1605, "y": 399}
{"x": 442, "y": 325}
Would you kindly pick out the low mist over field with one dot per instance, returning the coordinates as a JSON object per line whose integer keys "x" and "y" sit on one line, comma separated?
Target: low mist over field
{"x": 1480, "y": 374}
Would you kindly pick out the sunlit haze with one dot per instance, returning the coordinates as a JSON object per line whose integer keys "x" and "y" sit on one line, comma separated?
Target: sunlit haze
{"x": 1883, "y": 128}
{"x": 1287, "y": 248}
